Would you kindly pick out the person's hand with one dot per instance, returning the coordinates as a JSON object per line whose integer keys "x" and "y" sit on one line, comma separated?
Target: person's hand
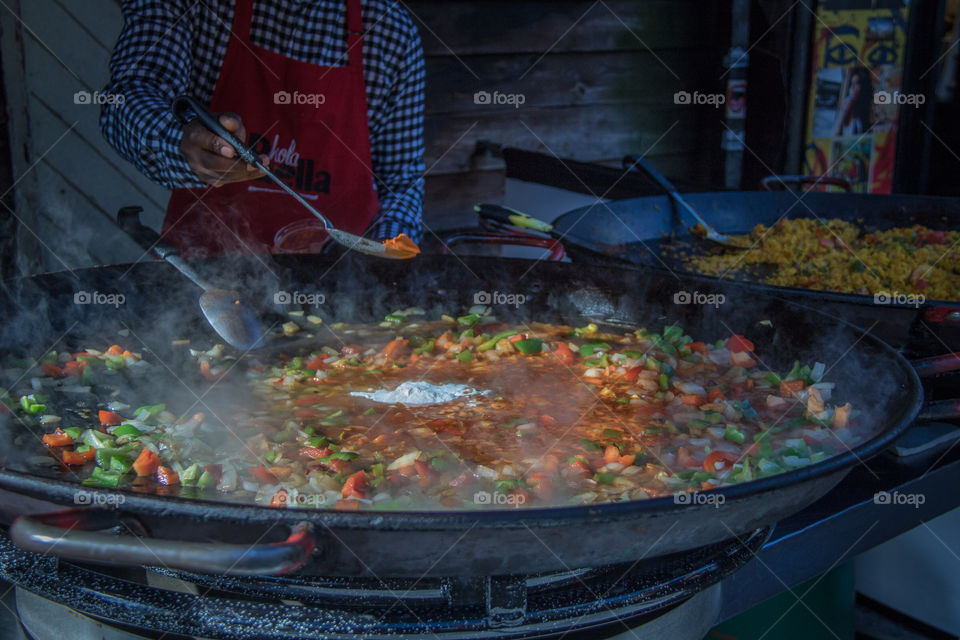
{"x": 212, "y": 158}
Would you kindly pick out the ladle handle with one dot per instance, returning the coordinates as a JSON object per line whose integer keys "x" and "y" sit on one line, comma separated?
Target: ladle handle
{"x": 128, "y": 219}
{"x": 182, "y": 105}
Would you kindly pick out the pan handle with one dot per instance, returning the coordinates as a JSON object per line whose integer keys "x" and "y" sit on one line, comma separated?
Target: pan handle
{"x": 941, "y": 410}
{"x": 74, "y": 534}
{"x": 937, "y": 364}
{"x": 775, "y": 182}
{"x": 506, "y": 215}
{"x": 557, "y": 251}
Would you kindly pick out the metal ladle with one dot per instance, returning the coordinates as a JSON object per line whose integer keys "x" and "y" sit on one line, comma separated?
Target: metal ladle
{"x": 183, "y": 105}
{"x": 229, "y": 315}
{"x": 636, "y": 162}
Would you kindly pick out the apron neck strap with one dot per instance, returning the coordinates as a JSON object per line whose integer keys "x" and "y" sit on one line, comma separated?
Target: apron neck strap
{"x": 243, "y": 15}
{"x": 354, "y": 34}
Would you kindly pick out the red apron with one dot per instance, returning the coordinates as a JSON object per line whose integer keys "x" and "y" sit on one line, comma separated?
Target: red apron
{"x": 312, "y": 123}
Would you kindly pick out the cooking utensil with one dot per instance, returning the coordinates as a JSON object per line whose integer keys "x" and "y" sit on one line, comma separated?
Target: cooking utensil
{"x": 637, "y": 162}
{"x": 474, "y": 542}
{"x": 229, "y": 314}
{"x": 607, "y": 233}
{"x": 184, "y": 105}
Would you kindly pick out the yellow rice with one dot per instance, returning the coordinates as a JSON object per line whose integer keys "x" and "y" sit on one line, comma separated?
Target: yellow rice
{"x": 836, "y": 255}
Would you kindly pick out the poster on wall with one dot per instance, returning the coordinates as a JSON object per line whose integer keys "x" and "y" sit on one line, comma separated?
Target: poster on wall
{"x": 855, "y": 97}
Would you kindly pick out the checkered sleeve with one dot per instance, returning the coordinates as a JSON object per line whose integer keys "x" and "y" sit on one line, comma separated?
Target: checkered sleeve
{"x": 396, "y": 139}
{"x": 151, "y": 65}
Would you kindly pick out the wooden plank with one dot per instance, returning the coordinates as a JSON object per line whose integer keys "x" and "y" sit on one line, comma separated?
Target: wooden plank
{"x": 54, "y": 87}
{"x": 79, "y": 230}
{"x": 97, "y": 174}
{"x": 462, "y": 27}
{"x": 566, "y": 79}
{"x": 448, "y": 199}
{"x": 101, "y": 19}
{"x": 580, "y": 133}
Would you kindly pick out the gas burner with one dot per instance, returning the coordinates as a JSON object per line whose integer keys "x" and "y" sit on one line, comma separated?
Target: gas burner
{"x": 594, "y": 603}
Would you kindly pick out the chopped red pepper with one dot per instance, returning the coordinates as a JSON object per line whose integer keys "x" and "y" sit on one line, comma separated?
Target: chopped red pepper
{"x": 738, "y": 343}
{"x": 57, "y": 439}
{"x": 355, "y": 486}
{"x": 110, "y": 419}
{"x": 146, "y": 463}
{"x": 167, "y": 476}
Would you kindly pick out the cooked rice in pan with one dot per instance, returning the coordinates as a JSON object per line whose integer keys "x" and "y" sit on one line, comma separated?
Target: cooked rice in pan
{"x": 836, "y": 255}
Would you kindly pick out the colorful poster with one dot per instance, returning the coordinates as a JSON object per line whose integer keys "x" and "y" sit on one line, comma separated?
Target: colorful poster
{"x": 855, "y": 100}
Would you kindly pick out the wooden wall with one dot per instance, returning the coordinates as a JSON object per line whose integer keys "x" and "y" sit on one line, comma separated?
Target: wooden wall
{"x": 597, "y": 79}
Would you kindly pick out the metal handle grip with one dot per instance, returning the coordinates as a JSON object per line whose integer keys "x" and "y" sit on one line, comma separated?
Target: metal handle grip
{"x": 183, "y": 104}
{"x": 65, "y": 534}
{"x": 557, "y": 252}
{"x": 941, "y": 410}
{"x": 937, "y": 364}
{"x": 149, "y": 240}
{"x": 506, "y": 215}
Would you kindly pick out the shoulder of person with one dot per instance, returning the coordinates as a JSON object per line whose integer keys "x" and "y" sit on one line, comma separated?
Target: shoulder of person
{"x": 388, "y": 15}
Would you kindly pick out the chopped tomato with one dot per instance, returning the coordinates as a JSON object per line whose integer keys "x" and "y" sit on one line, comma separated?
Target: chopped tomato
{"x": 580, "y": 468}
{"x": 74, "y": 367}
{"x": 260, "y": 474}
{"x": 115, "y": 350}
{"x": 706, "y": 486}
{"x": 110, "y": 419}
{"x": 693, "y": 399}
{"x": 542, "y": 485}
{"x": 427, "y": 474}
{"x": 306, "y": 401}
{"x": 279, "y": 499}
{"x": 628, "y": 459}
{"x": 716, "y": 394}
{"x": 73, "y": 458}
{"x": 790, "y": 387}
{"x": 563, "y": 353}
{"x": 594, "y": 381}
{"x": 724, "y": 459}
{"x": 57, "y": 439}
{"x": 314, "y": 452}
{"x": 547, "y": 420}
{"x": 685, "y": 459}
{"x": 316, "y": 363}
{"x": 339, "y": 466}
{"x": 51, "y": 370}
{"x": 631, "y": 374}
{"x": 518, "y": 337}
{"x": 697, "y": 347}
{"x": 737, "y": 343}
{"x": 393, "y": 349}
{"x": 611, "y": 454}
{"x": 146, "y": 463}
{"x": 215, "y": 470}
{"x": 347, "y": 505}
{"x": 355, "y": 486}
{"x": 167, "y": 476}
